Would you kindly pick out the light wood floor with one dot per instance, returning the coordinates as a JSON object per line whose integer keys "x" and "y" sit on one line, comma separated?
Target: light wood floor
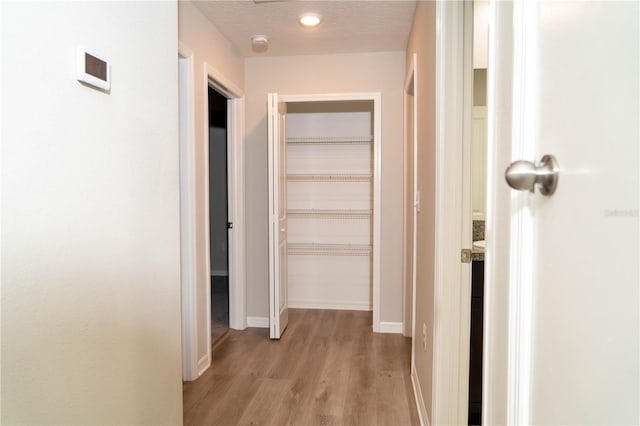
{"x": 328, "y": 369}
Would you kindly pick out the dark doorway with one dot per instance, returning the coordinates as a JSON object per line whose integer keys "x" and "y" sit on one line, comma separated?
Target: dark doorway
{"x": 218, "y": 214}
{"x": 475, "y": 356}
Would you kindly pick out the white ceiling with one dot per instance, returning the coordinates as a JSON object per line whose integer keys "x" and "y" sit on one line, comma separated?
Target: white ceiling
{"x": 346, "y": 27}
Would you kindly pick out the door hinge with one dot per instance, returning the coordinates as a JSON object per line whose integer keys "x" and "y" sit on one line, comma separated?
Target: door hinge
{"x": 229, "y": 225}
{"x": 465, "y": 256}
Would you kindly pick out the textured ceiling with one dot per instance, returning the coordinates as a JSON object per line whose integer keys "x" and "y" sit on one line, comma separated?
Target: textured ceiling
{"x": 346, "y": 27}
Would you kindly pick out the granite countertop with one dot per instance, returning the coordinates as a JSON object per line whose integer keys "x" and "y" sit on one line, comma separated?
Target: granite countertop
{"x": 478, "y": 234}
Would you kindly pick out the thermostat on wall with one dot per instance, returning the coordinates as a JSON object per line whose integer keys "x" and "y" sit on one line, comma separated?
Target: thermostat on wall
{"x": 92, "y": 69}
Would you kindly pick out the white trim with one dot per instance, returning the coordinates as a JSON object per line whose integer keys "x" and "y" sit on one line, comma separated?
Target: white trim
{"x": 377, "y": 206}
{"x": 417, "y": 394}
{"x": 321, "y": 304}
{"x": 235, "y": 183}
{"x": 219, "y": 272}
{"x": 237, "y": 247}
{"x": 188, "y": 247}
{"x": 258, "y": 322}
{"x": 449, "y": 141}
{"x": 204, "y": 363}
{"x": 521, "y": 261}
{"x": 495, "y": 397}
{"x": 222, "y": 84}
{"x": 207, "y": 213}
{"x": 211, "y": 78}
{"x": 390, "y": 327}
{"x": 376, "y": 97}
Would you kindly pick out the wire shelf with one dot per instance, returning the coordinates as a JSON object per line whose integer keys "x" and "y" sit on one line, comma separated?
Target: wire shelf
{"x": 329, "y": 214}
{"x": 329, "y": 249}
{"x": 329, "y": 177}
{"x": 336, "y": 140}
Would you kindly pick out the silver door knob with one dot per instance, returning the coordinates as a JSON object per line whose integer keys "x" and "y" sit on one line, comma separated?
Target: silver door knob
{"x": 524, "y": 175}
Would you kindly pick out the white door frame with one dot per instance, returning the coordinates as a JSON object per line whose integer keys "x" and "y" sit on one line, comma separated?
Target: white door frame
{"x": 187, "y": 216}
{"x": 452, "y": 278}
{"x": 235, "y": 183}
{"x": 411, "y": 88}
{"x": 376, "y": 97}
{"x": 192, "y": 366}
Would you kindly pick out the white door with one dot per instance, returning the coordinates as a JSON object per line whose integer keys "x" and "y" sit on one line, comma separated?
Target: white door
{"x": 562, "y": 311}
{"x": 277, "y": 152}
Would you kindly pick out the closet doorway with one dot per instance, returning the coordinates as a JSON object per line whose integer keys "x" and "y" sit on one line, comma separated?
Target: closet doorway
{"x": 324, "y": 204}
{"x": 219, "y": 223}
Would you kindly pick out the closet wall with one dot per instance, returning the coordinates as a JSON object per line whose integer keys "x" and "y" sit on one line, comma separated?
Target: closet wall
{"x": 382, "y": 72}
{"x": 329, "y": 201}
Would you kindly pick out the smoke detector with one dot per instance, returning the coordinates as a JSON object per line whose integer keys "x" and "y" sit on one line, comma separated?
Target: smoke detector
{"x": 259, "y": 40}
{"x": 259, "y": 43}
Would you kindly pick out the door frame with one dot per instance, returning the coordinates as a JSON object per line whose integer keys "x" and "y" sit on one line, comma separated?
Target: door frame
{"x": 410, "y": 88}
{"x": 235, "y": 190}
{"x": 187, "y": 216}
{"x": 192, "y": 367}
{"x": 452, "y": 277}
{"x": 376, "y": 97}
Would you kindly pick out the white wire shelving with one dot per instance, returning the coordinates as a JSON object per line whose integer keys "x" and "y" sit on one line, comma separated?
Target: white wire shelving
{"x": 314, "y": 249}
{"x": 330, "y": 140}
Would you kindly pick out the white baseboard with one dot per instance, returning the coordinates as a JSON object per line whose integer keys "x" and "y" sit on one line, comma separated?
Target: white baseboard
{"x": 203, "y": 364}
{"x": 390, "y": 327}
{"x": 417, "y": 393}
{"x": 259, "y": 322}
{"x": 321, "y": 304}
{"x": 219, "y": 273}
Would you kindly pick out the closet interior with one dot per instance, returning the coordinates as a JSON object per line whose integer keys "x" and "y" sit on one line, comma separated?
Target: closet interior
{"x": 330, "y": 167}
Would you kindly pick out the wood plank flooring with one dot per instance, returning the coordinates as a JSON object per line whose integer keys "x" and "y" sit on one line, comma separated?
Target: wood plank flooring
{"x": 329, "y": 368}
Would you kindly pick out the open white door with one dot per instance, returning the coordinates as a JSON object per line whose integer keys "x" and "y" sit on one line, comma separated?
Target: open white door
{"x": 562, "y": 310}
{"x": 277, "y": 152}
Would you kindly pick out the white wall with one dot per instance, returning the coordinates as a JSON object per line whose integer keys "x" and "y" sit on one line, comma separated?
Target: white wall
{"x": 90, "y": 220}
{"x": 208, "y": 45}
{"x": 370, "y": 72}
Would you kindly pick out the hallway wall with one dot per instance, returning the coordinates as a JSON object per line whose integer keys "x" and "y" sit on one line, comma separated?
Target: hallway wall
{"x": 423, "y": 42}
{"x": 365, "y": 72}
{"x": 90, "y": 216}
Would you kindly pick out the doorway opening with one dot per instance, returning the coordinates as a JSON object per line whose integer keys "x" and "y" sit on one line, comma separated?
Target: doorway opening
{"x": 195, "y": 246}
{"x": 219, "y": 223}
{"x": 478, "y": 172}
{"x": 324, "y": 180}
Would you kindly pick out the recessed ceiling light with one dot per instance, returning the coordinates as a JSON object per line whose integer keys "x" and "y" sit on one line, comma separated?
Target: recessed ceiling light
{"x": 309, "y": 19}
